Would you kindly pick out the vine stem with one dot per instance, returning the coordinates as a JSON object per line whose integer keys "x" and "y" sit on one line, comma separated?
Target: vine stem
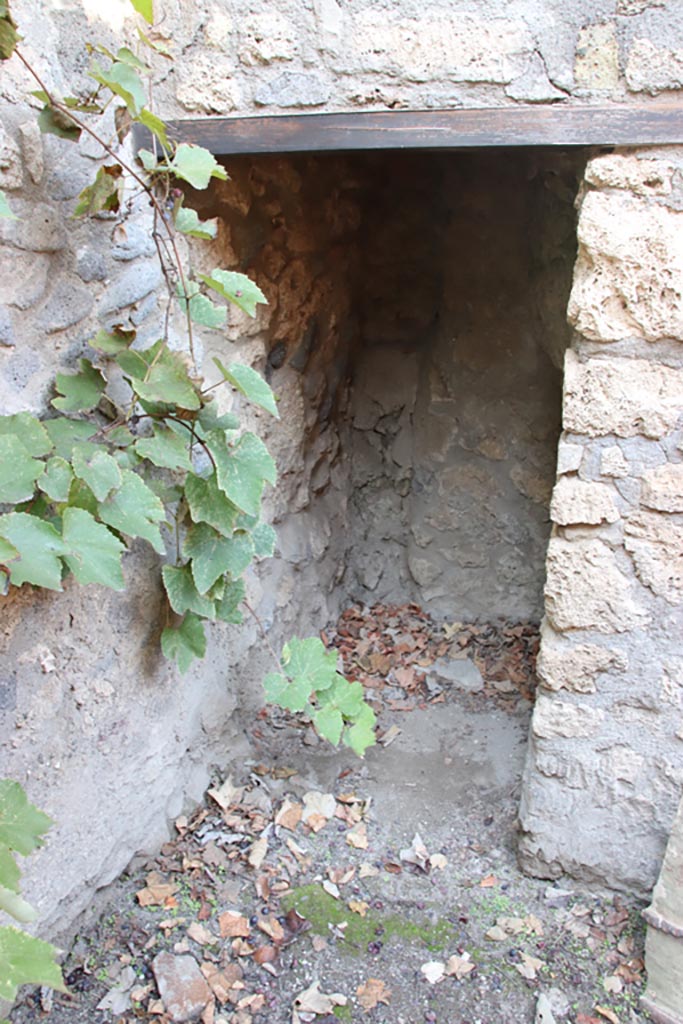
{"x": 65, "y": 111}
{"x": 263, "y": 633}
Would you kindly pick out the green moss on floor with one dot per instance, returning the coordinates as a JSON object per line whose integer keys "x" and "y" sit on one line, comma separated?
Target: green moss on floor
{"x": 322, "y": 910}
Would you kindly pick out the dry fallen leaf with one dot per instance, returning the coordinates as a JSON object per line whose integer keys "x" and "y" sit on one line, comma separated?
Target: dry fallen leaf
{"x": 390, "y": 735}
{"x": 358, "y": 836}
{"x": 437, "y": 861}
{"x": 529, "y": 966}
{"x": 330, "y": 888}
{"x": 511, "y": 925}
{"x": 608, "y": 1014}
{"x": 156, "y": 895}
{"x": 374, "y": 991}
{"x": 613, "y": 985}
{"x": 289, "y": 815}
{"x": 265, "y": 955}
{"x": 534, "y": 924}
{"x": 322, "y": 804}
{"x": 340, "y": 876}
{"x": 271, "y": 927}
{"x": 200, "y": 934}
{"x": 316, "y": 822}
{"x": 233, "y": 924}
{"x": 416, "y": 853}
{"x": 319, "y": 943}
{"x": 227, "y": 794}
{"x": 488, "y": 882}
{"x": 459, "y": 966}
{"x": 221, "y": 982}
{"x": 368, "y": 871}
{"x": 434, "y": 971}
{"x": 496, "y": 934}
{"x": 257, "y": 853}
{"x": 312, "y": 1000}
{"x": 358, "y": 907}
{"x": 241, "y": 947}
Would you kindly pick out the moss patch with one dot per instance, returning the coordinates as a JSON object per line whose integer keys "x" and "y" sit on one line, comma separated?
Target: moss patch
{"x": 322, "y": 910}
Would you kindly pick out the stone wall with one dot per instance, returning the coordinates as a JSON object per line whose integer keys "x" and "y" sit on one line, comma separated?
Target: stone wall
{"x": 81, "y": 680}
{"x": 605, "y": 768}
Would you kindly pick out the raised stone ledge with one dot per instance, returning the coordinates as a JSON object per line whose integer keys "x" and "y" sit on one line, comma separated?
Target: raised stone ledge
{"x": 576, "y": 668}
{"x": 555, "y": 718}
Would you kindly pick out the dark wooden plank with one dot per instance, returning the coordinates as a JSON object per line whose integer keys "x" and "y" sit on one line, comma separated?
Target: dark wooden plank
{"x": 633, "y": 124}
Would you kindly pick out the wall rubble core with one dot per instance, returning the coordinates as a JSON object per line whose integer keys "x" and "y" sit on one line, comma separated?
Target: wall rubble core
{"x": 90, "y": 715}
{"x": 614, "y": 592}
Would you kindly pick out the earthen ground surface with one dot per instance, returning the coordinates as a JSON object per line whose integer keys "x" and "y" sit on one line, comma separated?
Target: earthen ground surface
{"x": 453, "y": 776}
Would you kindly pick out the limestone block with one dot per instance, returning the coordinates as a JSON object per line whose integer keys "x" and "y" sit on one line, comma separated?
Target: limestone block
{"x": 32, "y": 150}
{"x": 7, "y": 339}
{"x": 623, "y": 764}
{"x": 576, "y": 668}
{"x": 205, "y": 84}
{"x": 533, "y": 85}
{"x": 628, "y": 279}
{"x": 653, "y": 69}
{"x": 131, "y": 286}
{"x": 68, "y": 304}
{"x": 613, "y": 463}
{"x": 585, "y": 589}
{"x": 663, "y": 488}
{"x": 459, "y": 47}
{"x": 626, "y": 397}
{"x": 293, "y": 89}
{"x": 131, "y": 241}
{"x": 642, "y": 177}
{"x": 655, "y": 543}
{"x": 11, "y": 173}
{"x": 23, "y": 277}
{"x": 597, "y": 58}
{"x": 569, "y": 457}
{"x": 266, "y": 38}
{"x": 39, "y": 228}
{"x": 553, "y": 718}
{"x": 626, "y": 8}
{"x": 218, "y": 30}
{"x": 578, "y": 501}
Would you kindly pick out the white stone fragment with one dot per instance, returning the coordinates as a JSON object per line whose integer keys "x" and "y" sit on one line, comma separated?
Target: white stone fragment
{"x": 642, "y": 177}
{"x": 663, "y": 488}
{"x": 554, "y": 718}
{"x": 613, "y": 462}
{"x": 578, "y": 501}
{"x": 576, "y": 668}
{"x": 569, "y": 457}
{"x": 653, "y": 69}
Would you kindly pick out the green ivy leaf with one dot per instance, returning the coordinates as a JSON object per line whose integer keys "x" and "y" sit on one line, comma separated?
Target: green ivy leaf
{"x": 227, "y": 607}
{"x": 214, "y": 555}
{"x": 144, "y": 8}
{"x": 236, "y": 288}
{"x": 291, "y": 694}
{"x": 65, "y": 434}
{"x": 99, "y": 470}
{"x": 127, "y": 56}
{"x": 28, "y": 430}
{"x": 18, "y": 471}
{"x": 251, "y": 384}
{"x": 183, "y": 595}
{"x": 264, "y": 538}
{"x": 166, "y": 449}
{"x": 361, "y": 734}
{"x": 21, "y": 824}
{"x": 205, "y": 312}
{"x": 329, "y": 723}
{"x": 81, "y": 391}
{"x": 134, "y": 510}
{"x": 54, "y": 122}
{"x": 5, "y": 208}
{"x": 308, "y": 661}
{"x": 94, "y": 553}
{"x": 187, "y": 220}
{"x": 112, "y": 342}
{"x": 196, "y": 165}
{"x": 159, "y": 375}
{"x": 155, "y": 125}
{"x": 210, "y": 418}
{"x": 57, "y": 478}
{"x": 25, "y": 960}
{"x": 123, "y": 81}
{"x": 243, "y": 469}
{"x": 9, "y": 36}
{"x": 39, "y": 546}
{"x": 185, "y": 642}
{"x": 208, "y": 503}
{"x": 103, "y": 194}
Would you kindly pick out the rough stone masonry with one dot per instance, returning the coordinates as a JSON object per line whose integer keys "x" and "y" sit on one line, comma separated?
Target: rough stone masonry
{"x": 89, "y": 715}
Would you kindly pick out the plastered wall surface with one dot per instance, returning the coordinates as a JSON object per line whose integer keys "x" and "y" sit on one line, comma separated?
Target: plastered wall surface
{"x": 81, "y": 680}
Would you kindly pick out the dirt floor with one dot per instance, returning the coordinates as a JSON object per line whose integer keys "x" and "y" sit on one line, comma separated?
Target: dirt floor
{"x": 312, "y": 886}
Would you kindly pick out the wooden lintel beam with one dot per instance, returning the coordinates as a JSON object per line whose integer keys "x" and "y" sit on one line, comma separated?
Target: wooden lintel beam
{"x": 637, "y": 124}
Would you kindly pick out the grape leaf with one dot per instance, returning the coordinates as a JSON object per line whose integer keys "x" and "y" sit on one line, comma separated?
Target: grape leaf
{"x": 39, "y": 546}
{"x": 112, "y": 342}
{"x": 185, "y": 642}
{"x": 227, "y": 607}
{"x": 21, "y": 824}
{"x": 182, "y": 592}
{"x": 99, "y": 470}
{"x": 26, "y": 960}
{"x": 57, "y": 478}
{"x": 159, "y": 375}
{"x": 166, "y": 449}
{"x": 29, "y": 430}
{"x": 205, "y": 312}
{"x": 103, "y": 194}
{"x": 134, "y": 510}
{"x": 187, "y": 220}
{"x": 251, "y": 384}
{"x": 55, "y": 122}
{"x": 309, "y": 661}
{"x": 123, "y": 81}
{"x": 9, "y": 870}
{"x": 329, "y": 723}
{"x": 156, "y": 126}
{"x": 196, "y": 165}
{"x": 208, "y": 503}
{"x": 346, "y": 697}
{"x": 291, "y": 694}
{"x": 361, "y": 734}
{"x": 236, "y": 288}
{"x": 264, "y": 538}
{"x": 18, "y": 470}
{"x": 16, "y": 907}
{"x": 81, "y": 391}
{"x": 242, "y": 469}
{"x": 94, "y": 553}
{"x": 213, "y": 555}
